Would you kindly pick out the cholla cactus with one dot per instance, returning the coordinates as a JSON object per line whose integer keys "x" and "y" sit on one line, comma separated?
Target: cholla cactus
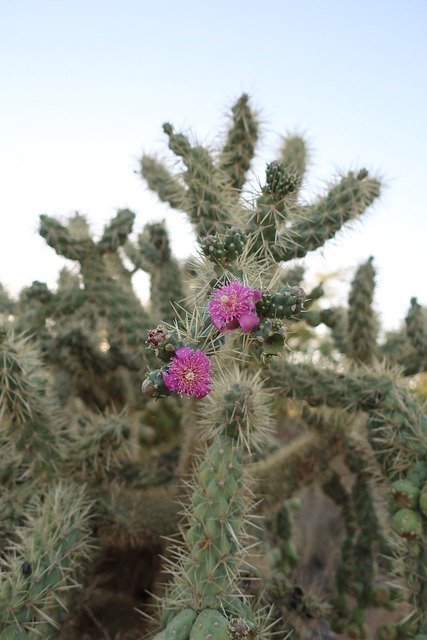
{"x": 233, "y": 421}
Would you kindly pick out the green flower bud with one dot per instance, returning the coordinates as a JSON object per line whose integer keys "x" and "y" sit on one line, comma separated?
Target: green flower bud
{"x": 407, "y": 523}
{"x": 403, "y": 494}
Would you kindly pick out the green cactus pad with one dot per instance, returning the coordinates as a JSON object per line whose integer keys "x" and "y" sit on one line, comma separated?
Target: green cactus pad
{"x": 210, "y": 625}
{"x": 179, "y": 627}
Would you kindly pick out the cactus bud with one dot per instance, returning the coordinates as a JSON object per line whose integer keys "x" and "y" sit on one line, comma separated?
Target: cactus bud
{"x": 280, "y": 181}
{"x": 238, "y": 629}
{"x": 403, "y": 494}
{"x": 407, "y": 523}
{"x": 156, "y": 336}
{"x": 154, "y": 386}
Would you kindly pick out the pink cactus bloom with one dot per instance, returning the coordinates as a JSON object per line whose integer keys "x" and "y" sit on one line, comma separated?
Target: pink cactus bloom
{"x": 232, "y": 306}
{"x": 190, "y": 373}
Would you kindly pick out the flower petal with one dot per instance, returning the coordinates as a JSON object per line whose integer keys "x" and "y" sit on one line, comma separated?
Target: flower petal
{"x": 167, "y": 380}
{"x": 183, "y": 351}
{"x": 230, "y": 326}
{"x": 217, "y": 322}
{"x": 248, "y": 321}
{"x": 257, "y": 294}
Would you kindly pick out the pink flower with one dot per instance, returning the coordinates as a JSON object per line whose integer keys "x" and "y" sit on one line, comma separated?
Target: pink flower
{"x": 190, "y": 372}
{"x": 232, "y": 306}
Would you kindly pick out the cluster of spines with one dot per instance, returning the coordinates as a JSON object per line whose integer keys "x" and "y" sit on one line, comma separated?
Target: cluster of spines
{"x": 50, "y": 548}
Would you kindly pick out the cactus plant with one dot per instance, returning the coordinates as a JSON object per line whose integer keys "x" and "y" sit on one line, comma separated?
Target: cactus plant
{"x": 234, "y": 419}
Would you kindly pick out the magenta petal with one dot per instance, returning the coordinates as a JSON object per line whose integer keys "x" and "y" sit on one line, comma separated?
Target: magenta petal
{"x": 183, "y": 351}
{"x": 217, "y": 322}
{"x": 248, "y": 321}
{"x": 257, "y": 295}
{"x": 203, "y": 393}
{"x": 230, "y": 326}
{"x": 167, "y": 380}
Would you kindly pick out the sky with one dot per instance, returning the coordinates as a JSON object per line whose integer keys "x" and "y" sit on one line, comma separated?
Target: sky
{"x": 86, "y": 85}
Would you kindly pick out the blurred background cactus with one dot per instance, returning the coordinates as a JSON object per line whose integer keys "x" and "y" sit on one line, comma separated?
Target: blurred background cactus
{"x": 292, "y": 500}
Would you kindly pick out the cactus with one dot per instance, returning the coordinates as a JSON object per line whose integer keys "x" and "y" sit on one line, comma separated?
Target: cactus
{"x": 416, "y": 328}
{"x": 238, "y": 150}
{"x": 362, "y": 325}
{"x": 104, "y": 457}
{"x": 153, "y": 255}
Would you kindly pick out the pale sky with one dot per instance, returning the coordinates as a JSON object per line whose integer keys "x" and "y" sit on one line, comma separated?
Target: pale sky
{"x": 85, "y": 87}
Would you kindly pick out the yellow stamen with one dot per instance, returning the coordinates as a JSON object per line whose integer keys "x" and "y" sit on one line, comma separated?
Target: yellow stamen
{"x": 189, "y": 375}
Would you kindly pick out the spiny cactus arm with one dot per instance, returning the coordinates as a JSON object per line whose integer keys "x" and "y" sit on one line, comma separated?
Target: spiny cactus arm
{"x": 395, "y": 417}
{"x": 367, "y": 534}
{"x": 396, "y": 430}
{"x": 78, "y": 349}
{"x": 362, "y": 323}
{"x": 160, "y": 180}
{"x": 117, "y": 231}
{"x": 155, "y": 257}
{"x": 132, "y": 252}
{"x": 206, "y": 573}
{"x": 69, "y": 296}
{"x": 336, "y": 319}
{"x": 91, "y": 373}
{"x": 294, "y": 156}
{"x": 131, "y": 517}
{"x": 66, "y": 302}
{"x": 59, "y": 238}
{"x": 284, "y": 556}
{"x": 67, "y": 279}
{"x": 100, "y": 446}
{"x": 416, "y": 329}
{"x": 154, "y": 245}
{"x": 43, "y": 563}
{"x": 166, "y": 291}
{"x": 209, "y": 195}
{"x": 301, "y": 462}
{"x": 152, "y": 250}
{"x": 397, "y": 349}
{"x": 15, "y": 493}
{"x": 35, "y": 304}
{"x": 25, "y": 407}
{"x": 7, "y": 304}
{"x": 315, "y": 224}
{"x": 344, "y": 573}
{"x": 78, "y": 227}
{"x": 273, "y": 206}
{"x": 239, "y": 148}
{"x": 113, "y": 298}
